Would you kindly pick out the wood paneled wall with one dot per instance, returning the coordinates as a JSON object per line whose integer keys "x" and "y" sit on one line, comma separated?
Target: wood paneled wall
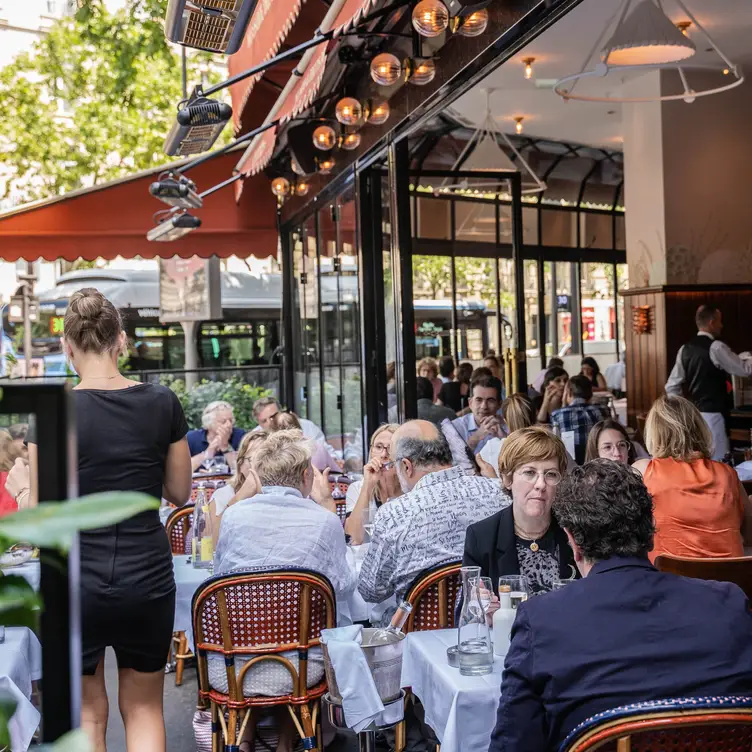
{"x": 651, "y": 356}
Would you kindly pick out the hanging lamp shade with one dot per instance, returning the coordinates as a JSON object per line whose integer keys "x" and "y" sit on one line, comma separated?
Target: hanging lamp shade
{"x": 647, "y": 37}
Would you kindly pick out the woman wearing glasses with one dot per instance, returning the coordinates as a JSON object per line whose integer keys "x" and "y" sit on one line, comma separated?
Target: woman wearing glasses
{"x": 608, "y": 440}
{"x": 524, "y": 538}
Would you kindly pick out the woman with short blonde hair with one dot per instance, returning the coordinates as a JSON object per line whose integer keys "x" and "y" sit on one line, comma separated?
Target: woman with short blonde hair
{"x": 524, "y": 538}
{"x": 699, "y": 505}
{"x": 429, "y": 369}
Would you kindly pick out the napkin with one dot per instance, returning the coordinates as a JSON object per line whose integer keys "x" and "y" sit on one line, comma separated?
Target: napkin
{"x": 360, "y": 699}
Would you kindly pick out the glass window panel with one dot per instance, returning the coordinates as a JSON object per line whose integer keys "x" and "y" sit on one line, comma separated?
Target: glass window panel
{"x": 532, "y": 345}
{"x": 549, "y": 308}
{"x": 596, "y": 230}
{"x": 391, "y": 330}
{"x": 310, "y": 298}
{"x": 529, "y": 225}
{"x": 565, "y": 301}
{"x": 476, "y": 306}
{"x": 434, "y": 218}
{"x": 432, "y": 305}
{"x": 622, "y": 280}
{"x": 565, "y": 181}
{"x": 559, "y": 228}
{"x": 599, "y": 313}
{"x": 508, "y": 306}
{"x": 475, "y": 220}
{"x": 621, "y": 235}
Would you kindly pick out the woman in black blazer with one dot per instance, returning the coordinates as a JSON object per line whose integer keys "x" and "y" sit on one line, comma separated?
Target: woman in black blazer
{"x": 524, "y": 538}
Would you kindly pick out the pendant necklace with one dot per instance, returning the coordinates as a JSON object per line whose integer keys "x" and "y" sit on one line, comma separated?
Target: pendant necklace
{"x": 534, "y": 547}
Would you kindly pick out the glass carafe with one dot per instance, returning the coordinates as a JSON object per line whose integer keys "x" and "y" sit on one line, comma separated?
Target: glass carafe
{"x": 474, "y": 649}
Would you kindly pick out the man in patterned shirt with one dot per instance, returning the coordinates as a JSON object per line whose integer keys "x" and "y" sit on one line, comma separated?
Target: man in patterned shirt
{"x": 578, "y": 415}
{"x": 427, "y": 525}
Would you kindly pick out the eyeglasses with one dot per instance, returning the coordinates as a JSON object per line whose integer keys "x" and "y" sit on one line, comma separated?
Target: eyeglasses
{"x": 389, "y": 465}
{"x": 380, "y": 448}
{"x": 550, "y": 477}
{"x": 621, "y": 446}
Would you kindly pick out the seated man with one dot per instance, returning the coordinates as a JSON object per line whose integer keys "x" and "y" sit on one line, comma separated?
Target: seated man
{"x": 281, "y": 527}
{"x": 218, "y": 435}
{"x": 482, "y": 423}
{"x": 427, "y": 525}
{"x": 577, "y": 414}
{"x": 426, "y": 409}
{"x": 625, "y": 633}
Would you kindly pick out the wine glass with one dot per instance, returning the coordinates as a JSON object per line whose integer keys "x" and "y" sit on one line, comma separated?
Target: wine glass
{"x": 518, "y": 588}
{"x": 485, "y": 590}
{"x": 369, "y": 519}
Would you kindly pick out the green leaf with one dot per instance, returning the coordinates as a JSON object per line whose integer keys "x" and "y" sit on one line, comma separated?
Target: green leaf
{"x": 7, "y": 708}
{"x": 18, "y": 603}
{"x": 73, "y": 741}
{"x": 55, "y": 524}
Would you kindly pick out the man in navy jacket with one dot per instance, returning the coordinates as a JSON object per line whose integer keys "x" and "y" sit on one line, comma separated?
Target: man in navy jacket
{"x": 625, "y": 633}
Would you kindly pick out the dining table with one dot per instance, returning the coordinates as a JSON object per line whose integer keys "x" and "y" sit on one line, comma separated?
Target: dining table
{"x": 460, "y": 709}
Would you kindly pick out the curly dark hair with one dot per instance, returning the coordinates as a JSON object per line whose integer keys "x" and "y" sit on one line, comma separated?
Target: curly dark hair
{"x": 607, "y": 509}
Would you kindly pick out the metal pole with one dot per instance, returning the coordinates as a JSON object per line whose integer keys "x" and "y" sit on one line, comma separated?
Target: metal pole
{"x": 519, "y": 278}
{"x": 28, "y": 291}
{"x": 191, "y": 355}
{"x": 367, "y": 741}
{"x": 185, "y": 73}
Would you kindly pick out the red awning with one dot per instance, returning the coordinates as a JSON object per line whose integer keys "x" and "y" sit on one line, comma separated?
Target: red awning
{"x": 300, "y": 97}
{"x": 263, "y": 38}
{"x": 112, "y": 220}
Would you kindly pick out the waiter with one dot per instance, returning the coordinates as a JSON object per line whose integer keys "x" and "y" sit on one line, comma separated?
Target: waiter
{"x": 704, "y": 366}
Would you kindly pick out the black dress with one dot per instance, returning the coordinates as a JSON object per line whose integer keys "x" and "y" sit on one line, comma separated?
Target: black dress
{"x": 127, "y": 580}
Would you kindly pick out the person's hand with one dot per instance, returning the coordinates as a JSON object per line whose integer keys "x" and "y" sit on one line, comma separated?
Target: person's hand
{"x": 493, "y": 605}
{"x": 321, "y": 492}
{"x": 224, "y": 433}
{"x": 486, "y": 469}
{"x": 18, "y": 479}
{"x": 251, "y": 486}
{"x": 373, "y": 472}
{"x": 492, "y": 426}
{"x": 215, "y": 445}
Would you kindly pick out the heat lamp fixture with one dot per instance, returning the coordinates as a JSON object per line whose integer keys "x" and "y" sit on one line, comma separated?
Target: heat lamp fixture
{"x": 173, "y": 227}
{"x": 211, "y": 25}
{"x": 176, "y": 190}
{"x": 198, "y": 125}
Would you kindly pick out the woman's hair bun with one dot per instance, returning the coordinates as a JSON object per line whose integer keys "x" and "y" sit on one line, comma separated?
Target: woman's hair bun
{"x": 92, "y": 323}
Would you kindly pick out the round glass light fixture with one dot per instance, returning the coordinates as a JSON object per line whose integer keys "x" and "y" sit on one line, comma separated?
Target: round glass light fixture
{"x": 379, "y": 112}
{"x": 348, "y": 111}
{"x": 474, "y": 24}
{"x": 386, "y": 69}
{"x": 324, "y": 137}
{"x": 280, "y": 187}
{"x": 302, "y": 188}
{"x": 296, "y": 168}
{"x": 351, "y": 141}
{"x": 430, "y": 18}
{"x": 423, "y": 72}
{"x": 326, "y": 165}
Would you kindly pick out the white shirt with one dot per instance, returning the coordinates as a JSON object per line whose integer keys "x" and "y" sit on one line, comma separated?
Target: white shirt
{"x": 280, "y": 528}
{"x": 721, "y": 356}
{"x": 351, "y": 497}
{"x": 424, "y": 528}
{"x": 221, "y": 498}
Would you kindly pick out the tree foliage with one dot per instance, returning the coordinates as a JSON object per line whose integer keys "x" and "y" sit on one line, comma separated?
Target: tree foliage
{"x": 93, "y": 100}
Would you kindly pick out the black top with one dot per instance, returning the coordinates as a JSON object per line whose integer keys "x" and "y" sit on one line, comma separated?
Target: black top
{"x": 123, "y": 439}
{"x": 705, "y": 383}
{"x": 491, "y": 544}
{"x": 450, "y": 395}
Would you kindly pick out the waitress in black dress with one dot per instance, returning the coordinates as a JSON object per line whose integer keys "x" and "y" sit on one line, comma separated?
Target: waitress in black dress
{"x": 131, "y": 437}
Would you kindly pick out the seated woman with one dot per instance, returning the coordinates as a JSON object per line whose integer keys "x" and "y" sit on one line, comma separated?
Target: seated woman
{"x": 518, "y": 413}
{"x": 379, "y": 484}
{"x": 429, "y": 369}
{"x": 700, "y": 507}
{"x": 609, "y": 440}
{"x": 553, "y": 393}
{"x": 590, "y": 369}
{"x": 524, "y": 538}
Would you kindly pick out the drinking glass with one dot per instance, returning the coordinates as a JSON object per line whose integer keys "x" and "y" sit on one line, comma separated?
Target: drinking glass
{"x": 559, "y": 584}
{"x": 485, "y": 592}
{"x": 518, "y": 587}
{"x": 369, "y": 519}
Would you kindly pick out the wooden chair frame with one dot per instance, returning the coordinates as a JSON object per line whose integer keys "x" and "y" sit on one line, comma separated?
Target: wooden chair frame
{"x": 432, "y": 583}
{"x": 213, "y": 595}
{"x": 736, "y": 569}
{"x": 625, "y": 726}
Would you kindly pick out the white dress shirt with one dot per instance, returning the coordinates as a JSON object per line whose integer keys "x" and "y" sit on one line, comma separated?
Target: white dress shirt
{"x": 424, "y": 528}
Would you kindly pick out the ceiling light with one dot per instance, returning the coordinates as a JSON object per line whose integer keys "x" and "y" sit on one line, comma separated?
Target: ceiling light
{"x": 528, "y": 67}
{"x": 197, "y": 126}
{"x": 324, "y": 137}
{"x": 386, "y": 69}
{"x": 326, "y": 165}
{"x": 647, "y": 37}
{"x": 421, "y": 72}
{"x": 518, "y": 126}
{"x": 378, "y": 112}
{"x": 348, "y": 111}
{"x": 302, "y": 188}
{"x": 474, "y": 24}
{"x": 351, "y": 141}
{"x": 683, "y": 26}
{"x": 430, "y": 18}
{"x": 173, "y": 227}
{"x": 212, "y": 25}
{"x": 280, "y": 187}
{"x": 177, "y": 191}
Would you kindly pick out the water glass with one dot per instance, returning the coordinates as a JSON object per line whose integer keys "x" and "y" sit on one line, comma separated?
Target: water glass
{"x": 485, "y": 591}
{"x": 518, "y": 588}
{"x": 559, "y": 584}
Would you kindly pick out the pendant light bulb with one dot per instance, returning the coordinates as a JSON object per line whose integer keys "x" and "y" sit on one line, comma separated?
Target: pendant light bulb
{"x": 326, "y": 165}
{"x": 422, "y": 72}
{"x": 528, "y": 61}
{"x": 324, "y": 137}
{"x": 386, "y": 69}
{"x": 683, "y": 27}
{"x": 379, "y": 112}
{"x": 474, "y": 24}
{"x": 348, "y": 111}
{"x": 351, "y": 141}
{"x": 280, "y": 187}
{"x": 302, "y": 188}
{"x": 518, "y": 127}
{"x": 430, "y": 18}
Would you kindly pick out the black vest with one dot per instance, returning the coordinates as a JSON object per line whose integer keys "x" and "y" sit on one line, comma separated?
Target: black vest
{"x": 705, "y": 384}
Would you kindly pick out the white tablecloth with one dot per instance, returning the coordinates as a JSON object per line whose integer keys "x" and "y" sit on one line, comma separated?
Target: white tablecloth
{"x": 187, "y": 580}
{"x": 29, "y": 571}
{"x": 20, "y": 664}
{"x": 460, "y": 709}
{"x": 361, "y": 610}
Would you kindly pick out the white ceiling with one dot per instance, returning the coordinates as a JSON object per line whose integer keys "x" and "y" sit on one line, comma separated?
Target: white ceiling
{"x": 562, "y": 50}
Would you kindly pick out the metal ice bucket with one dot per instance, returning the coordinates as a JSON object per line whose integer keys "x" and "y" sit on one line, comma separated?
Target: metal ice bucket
{"x": 385, "y": 662}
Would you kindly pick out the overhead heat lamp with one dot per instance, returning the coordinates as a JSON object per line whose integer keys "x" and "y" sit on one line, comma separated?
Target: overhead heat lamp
{"x": 176, "y": 190}
{"x": 211, "y": 25}
{"x": 173, "y": 227}
{"x": 197, "y": 126}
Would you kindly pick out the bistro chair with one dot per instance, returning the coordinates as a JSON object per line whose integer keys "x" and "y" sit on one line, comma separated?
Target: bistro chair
{"x": 720, "y": 724}
{"x": 258, "y": 616}
{"x": 737, "y": 569}
{"x": 433, "y": 595}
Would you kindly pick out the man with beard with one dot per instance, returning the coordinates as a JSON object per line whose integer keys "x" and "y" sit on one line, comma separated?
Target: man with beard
{"x": 482, "y": 423}
{"x": 427, "y": 525}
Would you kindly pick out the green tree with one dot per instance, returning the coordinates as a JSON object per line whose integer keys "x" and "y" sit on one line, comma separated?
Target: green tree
{"x": 93, "y": 100}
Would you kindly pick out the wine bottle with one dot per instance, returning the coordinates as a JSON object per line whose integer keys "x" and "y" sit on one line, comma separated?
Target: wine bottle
{"x": 393, "y": 631}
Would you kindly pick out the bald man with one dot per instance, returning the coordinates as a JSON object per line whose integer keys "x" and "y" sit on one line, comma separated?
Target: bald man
{"x": 426, "y": 526}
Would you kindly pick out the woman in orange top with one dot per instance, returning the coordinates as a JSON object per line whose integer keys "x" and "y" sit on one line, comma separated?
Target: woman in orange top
{"x": 700, "y": 506}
